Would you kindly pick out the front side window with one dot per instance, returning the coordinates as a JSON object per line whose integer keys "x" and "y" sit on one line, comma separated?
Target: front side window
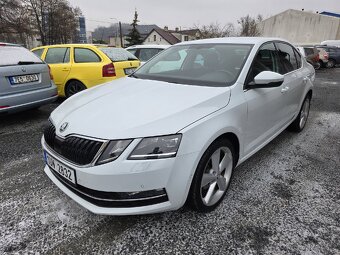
{"x": 82, "y": 55}
{"x": 211, "y": 65}
{"x": 266, "y": 59}
{"x": 287, "y": 57}
{"x": 58, "y": 55}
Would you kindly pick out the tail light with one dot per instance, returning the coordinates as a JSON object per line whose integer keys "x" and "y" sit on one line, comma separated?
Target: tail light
{"x": 317, "y": 58}
{"x": 49, "y": 70}
{"x": 326, "y": 55}
{"x": 109, "y": 70}
{"x": 4, "y": 106}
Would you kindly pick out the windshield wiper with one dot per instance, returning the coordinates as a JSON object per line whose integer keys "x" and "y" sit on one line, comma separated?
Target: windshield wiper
{"x": 134, "y": 76}
{"x": 27, "y": 63}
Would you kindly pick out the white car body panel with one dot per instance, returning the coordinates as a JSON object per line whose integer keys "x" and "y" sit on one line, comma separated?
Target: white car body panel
{"x": 135, "y": 108}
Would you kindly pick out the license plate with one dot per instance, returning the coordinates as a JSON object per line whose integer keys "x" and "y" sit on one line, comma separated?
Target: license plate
{"x": 23, "y": 79}
{"x": 129, "y": 70}
{"x": 64, "y": 171}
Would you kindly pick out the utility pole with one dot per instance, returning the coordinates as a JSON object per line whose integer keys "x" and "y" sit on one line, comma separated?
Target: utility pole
{"x": 121, "y": 35}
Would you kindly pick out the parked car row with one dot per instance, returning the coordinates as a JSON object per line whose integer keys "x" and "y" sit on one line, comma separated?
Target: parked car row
{"x": 321, "y": 55}
{"x": 76, "y": 67}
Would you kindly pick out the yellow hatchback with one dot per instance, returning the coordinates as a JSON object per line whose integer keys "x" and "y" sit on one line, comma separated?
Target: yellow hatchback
{"x": 76, "y": 67}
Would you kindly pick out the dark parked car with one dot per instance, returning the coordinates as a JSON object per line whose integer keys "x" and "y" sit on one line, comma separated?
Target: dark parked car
{"x": 334, "y": 55}
{"x": 24, "y": 78}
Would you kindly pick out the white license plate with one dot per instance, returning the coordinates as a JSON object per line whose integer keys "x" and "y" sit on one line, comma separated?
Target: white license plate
{"x": 129, "y": 70}
{"x": 64, "y": 171}
{"x": 23, "y": 79}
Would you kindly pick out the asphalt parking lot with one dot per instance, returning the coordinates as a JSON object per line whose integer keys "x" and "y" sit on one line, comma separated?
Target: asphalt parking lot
{"x": 283, "y": 200}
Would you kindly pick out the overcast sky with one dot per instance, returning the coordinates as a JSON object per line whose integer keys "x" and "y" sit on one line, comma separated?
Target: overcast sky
{"x": 187, "y": 13}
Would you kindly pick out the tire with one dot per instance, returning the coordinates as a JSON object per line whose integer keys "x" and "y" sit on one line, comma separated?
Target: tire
{"x": 73, "y": 87}
{"x": 300, "y": 122}
{"x": 330, "y": 63}
{"x": 317, "y": 65}
{"x": 211, "y": 182}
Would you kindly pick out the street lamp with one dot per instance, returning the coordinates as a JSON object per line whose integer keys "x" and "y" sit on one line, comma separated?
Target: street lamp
{"x": 116, "y": 30}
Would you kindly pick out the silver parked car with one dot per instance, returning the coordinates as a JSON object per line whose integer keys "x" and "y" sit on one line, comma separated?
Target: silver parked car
{"x": 24, "y": 78}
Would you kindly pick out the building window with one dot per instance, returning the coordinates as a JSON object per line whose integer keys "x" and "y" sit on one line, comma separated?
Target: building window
{"x": 160, "y": 39}
{"x": 186, "y": 38}
{"x": 154, "y": 38}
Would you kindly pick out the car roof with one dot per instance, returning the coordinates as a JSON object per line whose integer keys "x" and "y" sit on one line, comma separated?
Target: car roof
{"x": 235, "y": 40}
{"x": 73, "y": 45}
{"x": 147, "y": 46}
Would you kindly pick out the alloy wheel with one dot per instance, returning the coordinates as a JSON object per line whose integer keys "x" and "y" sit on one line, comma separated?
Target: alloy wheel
{"x": 304, "y": 113}
{"x": 216, "y": 176}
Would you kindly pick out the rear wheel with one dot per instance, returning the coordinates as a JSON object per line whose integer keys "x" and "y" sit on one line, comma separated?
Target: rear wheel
{"x": 330, "y": 63}
{"x": 317, "y": 65}
{"x": 300, "y": 122}
{"x": 73, "y": 87}
{"x": 213, "y": 175}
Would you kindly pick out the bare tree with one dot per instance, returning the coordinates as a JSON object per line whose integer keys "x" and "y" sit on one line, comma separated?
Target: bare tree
{"x": 214, "y": 30}
{"x": 14, "y": 21}
{"x": 250, "y": 26}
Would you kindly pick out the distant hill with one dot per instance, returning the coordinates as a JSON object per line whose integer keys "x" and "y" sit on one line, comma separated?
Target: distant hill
{"x": 103, "y": 33}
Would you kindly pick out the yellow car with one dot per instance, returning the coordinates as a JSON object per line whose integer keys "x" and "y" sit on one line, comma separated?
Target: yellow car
{"x": 76, "y": 67}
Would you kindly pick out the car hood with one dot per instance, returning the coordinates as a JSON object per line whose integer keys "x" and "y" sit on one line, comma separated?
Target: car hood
{"x": 131, "y": 108}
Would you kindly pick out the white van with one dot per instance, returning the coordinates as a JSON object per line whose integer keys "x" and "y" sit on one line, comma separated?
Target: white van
{"x": 331, "y": 43}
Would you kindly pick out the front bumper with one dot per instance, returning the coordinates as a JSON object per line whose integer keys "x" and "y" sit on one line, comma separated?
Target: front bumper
{"x": 161, "y": 184}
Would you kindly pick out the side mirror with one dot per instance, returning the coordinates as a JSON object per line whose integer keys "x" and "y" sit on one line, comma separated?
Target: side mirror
{"x": 267, "y": 79}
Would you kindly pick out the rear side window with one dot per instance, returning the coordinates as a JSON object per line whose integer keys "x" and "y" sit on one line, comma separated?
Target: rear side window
{"x": 117, "y": 54}
{"x": 13, "y": 55}
{"x": 38, "y": 52}
{"x": 82, "y": 55}
{"x": 57, "y": 55}
{"x": 309, "y": 51}
{"x": 287, "y": 57}
{"x": 298, "y": 58}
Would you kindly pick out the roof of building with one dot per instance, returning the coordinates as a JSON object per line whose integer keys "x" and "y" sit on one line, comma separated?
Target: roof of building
{"x": 332, "y": 14}
{"x": 191, "y": 32}
{"x": 167, "y": 36}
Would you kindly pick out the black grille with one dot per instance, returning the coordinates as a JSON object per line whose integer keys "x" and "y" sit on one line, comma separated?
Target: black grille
{"x": 78, "y": 150}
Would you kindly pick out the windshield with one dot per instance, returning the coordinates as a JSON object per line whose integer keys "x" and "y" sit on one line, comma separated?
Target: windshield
{"x": 118, "y": 54}
{"x": 14, "y": 55}
{"x": 198, "y": 64}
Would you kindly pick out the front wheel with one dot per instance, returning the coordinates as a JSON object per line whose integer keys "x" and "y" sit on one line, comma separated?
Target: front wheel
{"x": 300, "y": 122}
{"x": 73, "y": 87}
{"x": 212, "y": 177}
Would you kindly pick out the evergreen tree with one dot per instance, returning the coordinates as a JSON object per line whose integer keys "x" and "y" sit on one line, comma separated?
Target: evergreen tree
{"x": 134, "y": 36}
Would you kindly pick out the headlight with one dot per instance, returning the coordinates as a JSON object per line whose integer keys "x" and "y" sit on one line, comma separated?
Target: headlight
{"x": 157, "y": 147}
{"x": 113, "y": 151}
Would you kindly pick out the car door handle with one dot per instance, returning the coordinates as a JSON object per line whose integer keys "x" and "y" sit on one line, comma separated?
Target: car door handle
{"x": 305, "y": 79}
{"x": 65, "y": 69}
{"x": 284, "y": 90}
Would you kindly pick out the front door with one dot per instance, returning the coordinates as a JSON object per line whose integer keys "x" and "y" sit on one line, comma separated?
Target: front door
{"x": 266, "y": 106}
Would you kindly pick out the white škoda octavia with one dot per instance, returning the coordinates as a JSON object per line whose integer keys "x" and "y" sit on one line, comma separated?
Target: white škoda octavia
{"x": 175, "y": 130}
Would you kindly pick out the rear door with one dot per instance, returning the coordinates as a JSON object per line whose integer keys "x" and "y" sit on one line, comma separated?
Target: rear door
{"x": 58, "y": 59}
{"x": 21, "y": 71}
{"x": 295, "y": 79}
